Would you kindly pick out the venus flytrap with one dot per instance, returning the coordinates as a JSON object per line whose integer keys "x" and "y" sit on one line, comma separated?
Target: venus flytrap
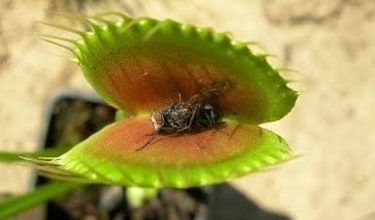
{"x": 139, "y": 65}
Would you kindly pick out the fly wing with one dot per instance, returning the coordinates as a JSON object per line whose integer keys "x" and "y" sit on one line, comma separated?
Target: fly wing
{"x": 210, "y": 92}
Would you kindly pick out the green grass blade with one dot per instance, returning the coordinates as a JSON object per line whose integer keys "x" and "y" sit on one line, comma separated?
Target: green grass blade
{"x": 14, "y": 205}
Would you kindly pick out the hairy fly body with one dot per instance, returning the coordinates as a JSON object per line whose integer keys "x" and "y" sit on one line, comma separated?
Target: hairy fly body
{"x": 197, "y": 113}
{"x": 182, "y": 116}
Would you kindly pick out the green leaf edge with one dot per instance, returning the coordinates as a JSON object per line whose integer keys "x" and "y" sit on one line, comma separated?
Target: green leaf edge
{"x": 270, "y": 151}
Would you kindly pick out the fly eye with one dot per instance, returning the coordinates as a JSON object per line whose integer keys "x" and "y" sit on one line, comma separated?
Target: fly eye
{"x": 157, "y": 120}
{"x": 158, "y": 117}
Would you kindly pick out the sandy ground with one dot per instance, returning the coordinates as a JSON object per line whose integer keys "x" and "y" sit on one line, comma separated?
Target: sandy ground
{"x": 331, "y": 43}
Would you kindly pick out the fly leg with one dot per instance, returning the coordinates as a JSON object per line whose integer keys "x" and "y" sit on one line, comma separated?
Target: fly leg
{"x": 209, "y": 117}
{"x": 152, "y": 137}
{"x": 190, "y": 124}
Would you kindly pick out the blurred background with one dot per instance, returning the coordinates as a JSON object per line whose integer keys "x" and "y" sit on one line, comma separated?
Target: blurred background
{"x": 330, "y": 44}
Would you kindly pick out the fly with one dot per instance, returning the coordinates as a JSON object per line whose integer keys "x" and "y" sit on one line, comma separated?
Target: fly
{"x": 197, "y": 113}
